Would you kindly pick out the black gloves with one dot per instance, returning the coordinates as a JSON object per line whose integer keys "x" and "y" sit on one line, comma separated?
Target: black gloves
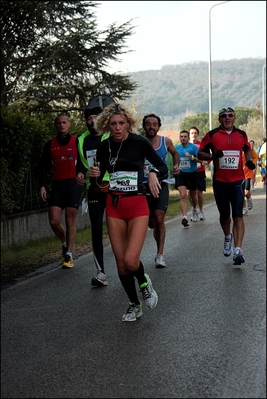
{"x": 250, "y": 164}
{"x": 217, "y": 154}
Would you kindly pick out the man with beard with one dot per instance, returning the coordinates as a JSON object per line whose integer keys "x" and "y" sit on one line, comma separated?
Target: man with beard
{"x": 158, "y": 206}
{"x": 88, "y": 143}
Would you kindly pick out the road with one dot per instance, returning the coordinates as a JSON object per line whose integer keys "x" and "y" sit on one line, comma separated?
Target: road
{"x": 61, "y": 338}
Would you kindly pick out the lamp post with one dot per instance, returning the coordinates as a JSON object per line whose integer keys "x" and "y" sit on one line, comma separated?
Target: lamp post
{"x": 263, "y": 99}
{"x": 210, "y": 79}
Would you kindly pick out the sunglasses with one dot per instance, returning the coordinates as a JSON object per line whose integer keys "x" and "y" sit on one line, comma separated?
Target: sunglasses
{"x": 225, "y": 115}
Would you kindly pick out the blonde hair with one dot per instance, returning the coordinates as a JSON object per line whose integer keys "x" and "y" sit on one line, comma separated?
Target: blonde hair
{"x": 114, "y": 109}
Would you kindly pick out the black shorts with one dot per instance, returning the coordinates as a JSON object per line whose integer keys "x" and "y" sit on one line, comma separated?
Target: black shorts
{"x": 160, "y": 203}
{"x": 201, "y": 181}
{"x": 229, "y": 198}
{"x": 189, "y": 180}
{"x": 66, "y": 194}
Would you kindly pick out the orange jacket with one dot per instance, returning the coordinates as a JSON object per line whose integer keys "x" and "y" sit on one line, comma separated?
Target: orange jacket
{"x": 249, "y": 174}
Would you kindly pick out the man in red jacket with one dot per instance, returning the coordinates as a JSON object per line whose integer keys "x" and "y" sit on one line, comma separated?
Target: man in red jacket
{"x": 224, "y": 145}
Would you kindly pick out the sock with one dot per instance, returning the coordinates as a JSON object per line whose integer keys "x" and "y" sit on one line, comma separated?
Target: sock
{"x": 69, "y": 253}
{"x": 140, "y": 274}
{"x": 228, "y": 237}
{"x": 128, "y": 284}
{"x": 237, "y": 249}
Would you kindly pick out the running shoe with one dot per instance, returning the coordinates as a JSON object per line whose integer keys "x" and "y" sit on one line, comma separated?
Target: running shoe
{"x": 249, "y": 203}
{"x": 149, "y": 295}
{"x": 244, "y": 211}
{"x": 194, "y": 216}
{"x": 99, "y": 280}
{"x": 64, "y": 251}
{"x": 185, "y": 222}
{"x": 201, "y": 215}
{"x": 228, "y": 248}
{"x": 159, "y": 261}
{"x": 68, "y": 262}
{"x": 133, "y": 312}
{"x": 238, "y": 257}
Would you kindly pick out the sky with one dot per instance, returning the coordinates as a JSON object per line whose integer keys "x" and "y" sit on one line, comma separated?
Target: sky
{"x": 177, "y": 32}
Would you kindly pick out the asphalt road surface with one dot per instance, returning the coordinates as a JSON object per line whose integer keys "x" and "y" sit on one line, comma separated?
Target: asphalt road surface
{"x": 61, "y": 338}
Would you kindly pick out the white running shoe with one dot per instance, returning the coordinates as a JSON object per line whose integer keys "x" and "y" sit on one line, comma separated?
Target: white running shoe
{"x": 194, "y": 216}
{"x": 238, "y": 257}
{"x": 244, "y": 211}
{"x": 249, "y": 203}
{"x": 228, "y": 247}
{"x": 99, "y": 280}
{"x": 201, "y": 215}
{"x": 150, "y": 296}
{"x": 133, "y": 312}
{"x": 185, "y": 221}
{"x": 159, "y": 261}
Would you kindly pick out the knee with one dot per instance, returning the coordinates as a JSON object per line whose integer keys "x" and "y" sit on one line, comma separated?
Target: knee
{"x": 54, "y": 222}
{"x": 131, "y": 263}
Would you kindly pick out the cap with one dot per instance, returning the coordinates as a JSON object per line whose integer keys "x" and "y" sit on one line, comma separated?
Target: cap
{"x": 97, "y": 104}
{"x": 223, "y": 110}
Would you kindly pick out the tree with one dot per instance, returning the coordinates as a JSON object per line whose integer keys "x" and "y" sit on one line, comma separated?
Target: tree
{"x": 54, "y": 58}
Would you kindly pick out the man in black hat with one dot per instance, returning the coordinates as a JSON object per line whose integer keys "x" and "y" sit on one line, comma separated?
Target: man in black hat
{"x": 96, "y": 194}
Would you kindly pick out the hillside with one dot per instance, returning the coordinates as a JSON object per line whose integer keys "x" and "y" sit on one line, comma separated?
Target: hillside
{"x": 176, "y": 91}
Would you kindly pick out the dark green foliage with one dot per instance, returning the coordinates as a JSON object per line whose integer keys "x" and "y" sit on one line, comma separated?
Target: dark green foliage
{"x": 22, "y": 141}
{"x": 54, "y": 58}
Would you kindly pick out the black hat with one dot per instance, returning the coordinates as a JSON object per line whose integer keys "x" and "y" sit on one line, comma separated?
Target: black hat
{"x": 228, "y": 109}
{"x": 97, "y": 104}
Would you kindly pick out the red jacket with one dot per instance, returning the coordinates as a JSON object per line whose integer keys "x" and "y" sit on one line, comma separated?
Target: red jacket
{"x": 229, "y": 168}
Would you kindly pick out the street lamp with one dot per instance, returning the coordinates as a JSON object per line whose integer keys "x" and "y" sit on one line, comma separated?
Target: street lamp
{"x": 263, "y": 100}
{"x": 210, "y": 80}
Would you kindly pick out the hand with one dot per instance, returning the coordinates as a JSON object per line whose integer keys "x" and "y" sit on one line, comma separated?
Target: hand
{"x": 250, "y": 164}
{"x": 94, "y": 171}
{"x": 154, "y": 184}
{"x": 42, "y": 193}
{"x": 175, "y": 170}
{"x": 217, "y": 154}
{"x": 80, "y": 178}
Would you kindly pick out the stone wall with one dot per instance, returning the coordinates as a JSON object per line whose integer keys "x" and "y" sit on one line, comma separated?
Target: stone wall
{"x": 21, "y": 228}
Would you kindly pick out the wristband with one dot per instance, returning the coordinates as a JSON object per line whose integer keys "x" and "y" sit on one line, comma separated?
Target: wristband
{"x": 153, "y": 169}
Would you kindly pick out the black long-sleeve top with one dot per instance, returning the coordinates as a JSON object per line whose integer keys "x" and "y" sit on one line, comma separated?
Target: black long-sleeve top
{"x": 129, "y": 155}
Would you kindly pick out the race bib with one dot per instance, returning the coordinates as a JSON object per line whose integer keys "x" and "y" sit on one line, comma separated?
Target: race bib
{"x": 184, "y": 163}
{"x": 123, "y": 181}
{"x": 91, "y": 157}
{"x": 230, "y": 160}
